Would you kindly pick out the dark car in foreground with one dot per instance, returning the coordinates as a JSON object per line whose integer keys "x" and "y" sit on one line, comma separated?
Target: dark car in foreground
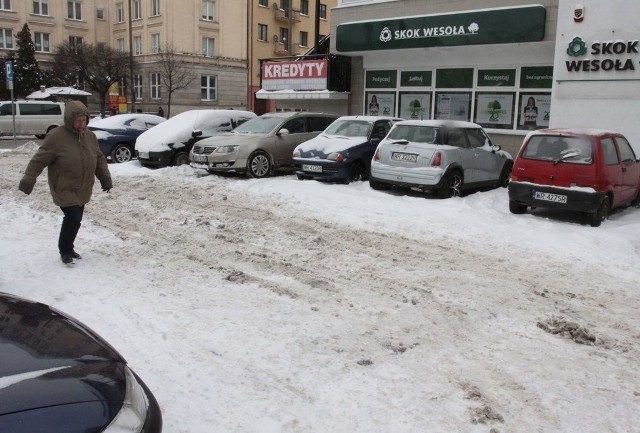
{"x": 441, "y": 156}
{"x": 343, "y": 151}
{"x": 58, "y": 376}
{"x": 117, "y": 134}
{"x": 584, "y": 170}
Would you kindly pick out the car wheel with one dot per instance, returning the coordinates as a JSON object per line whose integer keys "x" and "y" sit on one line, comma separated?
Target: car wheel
{"x": 301, "y": 176}
{"x": 505, "y": 174}
{"x": 181, "y": 158}
{"x": 517, "y": 208}
{"x": 598, "y": 217}
{"x": 121, "y": 153}
{"x": 452, "y": 185}
{"x": 379, "y": 186}
{"x": 259, "y": 165}
{"x": 356, "y": 172}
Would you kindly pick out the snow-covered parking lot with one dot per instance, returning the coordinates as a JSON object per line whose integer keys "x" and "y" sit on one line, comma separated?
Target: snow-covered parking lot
{"x": 277, "y": 305}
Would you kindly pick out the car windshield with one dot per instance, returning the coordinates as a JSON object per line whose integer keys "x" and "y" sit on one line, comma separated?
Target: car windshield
{"x": 349, "y": 128}
{"x": 416, "y": 134}
{"x": 575, "y": 150}
{"x": 259, "y": 125}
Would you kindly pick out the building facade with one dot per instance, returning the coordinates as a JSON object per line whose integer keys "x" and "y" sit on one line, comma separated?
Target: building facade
{"x": 209, "y": 36}
{"x": 283, "y": 28}
{"x": 479, "y": 61}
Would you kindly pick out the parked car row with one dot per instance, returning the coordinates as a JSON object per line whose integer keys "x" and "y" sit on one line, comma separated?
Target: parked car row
{"x": 588, "y": 171}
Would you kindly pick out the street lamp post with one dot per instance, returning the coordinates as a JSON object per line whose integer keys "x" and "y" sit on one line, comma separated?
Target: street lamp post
{"x": 131, "y": 86}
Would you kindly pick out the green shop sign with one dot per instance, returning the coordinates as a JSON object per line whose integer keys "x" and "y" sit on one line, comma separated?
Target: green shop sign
{"x": 381, "y": 79}
{"x": 536, "y": 77}
{"x": 415, "y": 78}
{"x": 497, "y": 77}
{"x": 496, "y": 26}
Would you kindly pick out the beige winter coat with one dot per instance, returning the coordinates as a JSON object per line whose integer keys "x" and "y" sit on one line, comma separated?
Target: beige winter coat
{"x": 73, "y": 160}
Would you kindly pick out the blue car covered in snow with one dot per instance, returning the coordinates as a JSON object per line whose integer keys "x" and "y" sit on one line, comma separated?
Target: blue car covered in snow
{"x": 117, "y": 134}
{"x": 343, "y": 151}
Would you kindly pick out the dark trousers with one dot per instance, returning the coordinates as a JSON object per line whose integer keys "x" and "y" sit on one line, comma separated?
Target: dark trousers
{"x": 70, "y": 226}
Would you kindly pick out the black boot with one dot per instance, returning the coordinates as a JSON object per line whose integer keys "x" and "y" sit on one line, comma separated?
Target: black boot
{"x": 66, "y": 258}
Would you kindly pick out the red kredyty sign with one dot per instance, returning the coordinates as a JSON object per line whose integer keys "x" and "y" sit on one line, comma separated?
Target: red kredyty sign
{"x": 300, "y": 75}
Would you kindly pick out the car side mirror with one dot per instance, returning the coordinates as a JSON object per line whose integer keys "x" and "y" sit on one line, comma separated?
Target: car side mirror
{"x": 496, "y": 148}
{"x": 196, "y": 133}
{"x": 283, "y": 131}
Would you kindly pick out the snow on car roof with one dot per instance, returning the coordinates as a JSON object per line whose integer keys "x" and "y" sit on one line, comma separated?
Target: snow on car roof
{"x": 440, "y": 122}
{"x": 120, "y": 119}
{"x": 180, "y": 127}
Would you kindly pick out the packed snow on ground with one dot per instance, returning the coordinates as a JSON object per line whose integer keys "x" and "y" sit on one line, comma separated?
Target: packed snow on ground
{"x": 279, "y": 305}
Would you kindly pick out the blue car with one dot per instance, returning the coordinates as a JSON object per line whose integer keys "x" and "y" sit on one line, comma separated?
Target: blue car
{"x": 117, "y": 134}
{"x": 343, "y": 151}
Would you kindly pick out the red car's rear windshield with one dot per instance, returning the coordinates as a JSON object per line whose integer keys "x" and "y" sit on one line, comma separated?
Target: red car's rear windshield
{"x": 574, "y": 150}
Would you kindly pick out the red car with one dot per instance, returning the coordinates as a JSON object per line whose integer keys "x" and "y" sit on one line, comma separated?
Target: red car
{"x": 590, "y": 171}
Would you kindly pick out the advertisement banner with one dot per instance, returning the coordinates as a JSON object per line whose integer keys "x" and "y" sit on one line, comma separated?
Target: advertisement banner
{"x": 535, "y": 110}
{"x": 453, "y": 106}
{"x": 415, "y": 106}
{"x": 380, "y": 104}
{"x": 495, "y": 110}
{"x": 295, "y": 75}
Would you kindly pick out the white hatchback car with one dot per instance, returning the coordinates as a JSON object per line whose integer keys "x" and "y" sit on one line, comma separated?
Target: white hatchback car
{"x": 443, "y": 156}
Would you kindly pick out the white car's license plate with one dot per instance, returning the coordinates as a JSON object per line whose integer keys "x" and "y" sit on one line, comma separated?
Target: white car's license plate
{"x": 312, "y": 168}
{"x": 546, "y": 196}
{"x": 199, "y": 158}
{"x": 143, "y": 155}
{"x": 405, "y": 157}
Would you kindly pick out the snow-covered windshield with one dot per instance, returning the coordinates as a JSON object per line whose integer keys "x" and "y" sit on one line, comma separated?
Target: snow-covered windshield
{"x": 416, "y": 134}
{"x": 349, "y": 128}
{"x": 260, "y": 125}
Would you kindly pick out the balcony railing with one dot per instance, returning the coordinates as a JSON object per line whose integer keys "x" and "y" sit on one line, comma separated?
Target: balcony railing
{"x": 283, "y": 15}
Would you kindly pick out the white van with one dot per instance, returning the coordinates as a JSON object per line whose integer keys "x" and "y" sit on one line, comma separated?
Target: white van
{"x": 32, "y": 117}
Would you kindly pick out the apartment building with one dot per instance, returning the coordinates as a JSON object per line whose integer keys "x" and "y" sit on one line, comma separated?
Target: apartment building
{"x": 209, "y": 36}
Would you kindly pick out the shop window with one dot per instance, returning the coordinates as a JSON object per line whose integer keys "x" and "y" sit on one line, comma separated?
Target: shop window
{"x": 453, "y": 106}
{"x": 415, "y": 105}
{"x": 534, "y": 111}
{"x": 380, "y": 103}
{"x": 494, "y": 110}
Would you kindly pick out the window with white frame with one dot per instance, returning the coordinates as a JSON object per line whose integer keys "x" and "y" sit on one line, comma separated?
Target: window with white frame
{"x": 137, "y": 45}
{"x": 6, "y": 38}
{"x": 207, "y": 46}
{"x": 207, "y": 10}
{"x": 264, "y": 3}
{"x": 304, "y": 7}
{"x": 155, "y": 85}
{"x": 120, "y": 45}
{"x": 284, "y": 35}
{"x": 155, "y": 43}
{"x": 263, "y": 33}
{"x": 323, "y": 11}
{"x": 137, "y": 86}
{"x": 208, "y": 87}
{"x": 155, "y": 8}
{"x": 41, "y": 7}
{"x": 74, "y": 9}
{"x": 75, "y": 42}
{"x": 41, "y": 41}
{"x": 100, "y": 14}
{"x": 119, "y": 12}
{"x": 5, "y": 5}
{"x": 304, "y": 38}
{"x": 137, "y": 9}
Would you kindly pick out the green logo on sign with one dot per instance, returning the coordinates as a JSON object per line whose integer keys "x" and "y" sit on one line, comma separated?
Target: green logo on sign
{"x": 577, "y": 47}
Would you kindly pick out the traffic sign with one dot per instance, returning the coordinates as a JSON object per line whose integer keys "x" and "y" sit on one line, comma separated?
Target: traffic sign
{"x": 8, "y": 70}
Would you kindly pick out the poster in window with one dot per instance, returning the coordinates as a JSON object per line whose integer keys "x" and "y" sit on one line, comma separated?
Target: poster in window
{"x": 535, "y": 109}
{"x": 380, "y": 104}
{"x": 453, "y": 106}
{"x": 415, "y": 105}
{"x": 495, "y": 110}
